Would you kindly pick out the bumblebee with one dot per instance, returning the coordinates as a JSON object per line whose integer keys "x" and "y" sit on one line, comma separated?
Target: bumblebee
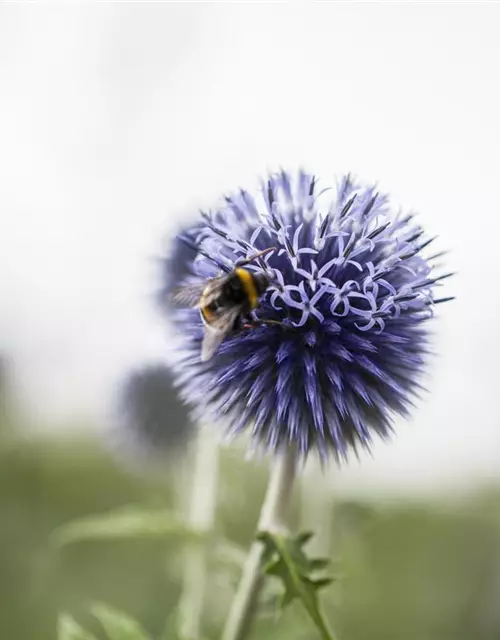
{"x": 224, "y": 302}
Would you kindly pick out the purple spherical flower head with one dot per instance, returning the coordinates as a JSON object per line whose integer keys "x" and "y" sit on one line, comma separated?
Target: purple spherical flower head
{"x": 353, "y": 291}
{"x": 176, "y": 265}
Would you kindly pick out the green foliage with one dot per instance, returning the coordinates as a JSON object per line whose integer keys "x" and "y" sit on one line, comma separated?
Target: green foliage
{"x": 69, "y": 629}
{"x": 284, "y": 558}
{"x": 411, "y": 570}
{"x": 126, "y": 522}
{"x": 118, "y": 625}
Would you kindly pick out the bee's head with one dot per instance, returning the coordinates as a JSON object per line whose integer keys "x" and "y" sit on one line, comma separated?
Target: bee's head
{"x": 262, "y": 282}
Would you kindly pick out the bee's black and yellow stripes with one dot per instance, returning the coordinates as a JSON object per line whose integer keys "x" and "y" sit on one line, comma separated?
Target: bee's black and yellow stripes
{"x": 248, "y": 283}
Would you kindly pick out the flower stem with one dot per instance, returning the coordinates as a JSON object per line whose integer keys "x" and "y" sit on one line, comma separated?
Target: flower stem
{"x": 317, "y": 507}
{"x": 272, "y": 518}
{"x": 200, "y": 519}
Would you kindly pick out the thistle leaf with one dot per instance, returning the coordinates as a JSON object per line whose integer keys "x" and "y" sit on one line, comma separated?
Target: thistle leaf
{"x": 319, "y": 583}
{"x": 304, "y": 537}
{"x": 118, "y": 625}
{"x": 69, "y": 629}
{"x": 284, "y": 558}
{"x": 318, "y": 564}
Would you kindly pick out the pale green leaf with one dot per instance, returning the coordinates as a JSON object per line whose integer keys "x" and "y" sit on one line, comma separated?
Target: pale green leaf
{"x": 118, "y": 625}
{"x": 69, "y": 629}
{"x": 126, "y": 522}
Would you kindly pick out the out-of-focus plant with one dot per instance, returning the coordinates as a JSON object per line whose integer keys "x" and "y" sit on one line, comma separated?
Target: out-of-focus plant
{"x": 316, "y": 506}
{"x": 201, "y": 519}
{"x": 117, "y": 625}
{"x": 8, "y": 405}
{"x": 152, "y": 421}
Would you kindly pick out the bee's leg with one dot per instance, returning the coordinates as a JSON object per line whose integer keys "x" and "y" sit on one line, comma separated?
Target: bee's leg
{"x": 272, "y": 322}
{"x": 240, "y": 263}
{"x": 253, "y": 324}
{"x": 238, "y": 324}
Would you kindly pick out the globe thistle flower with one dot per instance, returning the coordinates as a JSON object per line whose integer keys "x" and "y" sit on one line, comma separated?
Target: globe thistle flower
{"x": 176, "y": 265}
{"x": 150, "y": 416}
{"x": 352, "y": 290}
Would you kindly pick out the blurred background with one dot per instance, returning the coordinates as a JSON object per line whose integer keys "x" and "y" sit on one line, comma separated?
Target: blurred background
{"x": 118, "y": 121}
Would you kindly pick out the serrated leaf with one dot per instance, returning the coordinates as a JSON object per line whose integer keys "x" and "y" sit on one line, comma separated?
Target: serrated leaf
{"x": 286, "y": 560}
{"x": 127, "y": 522}
{"x": 287, "y": 598}
{"x": 318, "y": 564}
{"x": 304, "y": 537}
{"x": 304, "y": 564}
{"x": 118, "y": 625}
{"x": 319, "y": 583}
{"x": 69, "y": 629}
{"x": 273, "y": 567}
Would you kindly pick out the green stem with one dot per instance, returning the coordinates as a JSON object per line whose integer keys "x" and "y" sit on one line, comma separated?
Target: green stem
{"x": 200, "y": 519}
{"x": 272, "y": 518}
{"x": 317, "y": 507}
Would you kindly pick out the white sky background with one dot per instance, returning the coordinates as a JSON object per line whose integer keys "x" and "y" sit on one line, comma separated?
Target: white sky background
{"x": 119, "y": 120}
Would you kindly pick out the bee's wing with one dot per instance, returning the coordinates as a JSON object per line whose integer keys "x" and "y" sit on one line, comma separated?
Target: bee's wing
{"x": 189, "y": 295}
{"x": 217, "y": 331}
{"x": 198, "y": 294}
{"x": 212, "y": 290}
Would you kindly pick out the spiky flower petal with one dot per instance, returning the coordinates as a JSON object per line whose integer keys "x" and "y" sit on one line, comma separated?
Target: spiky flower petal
{"x": 353, "y": 291}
